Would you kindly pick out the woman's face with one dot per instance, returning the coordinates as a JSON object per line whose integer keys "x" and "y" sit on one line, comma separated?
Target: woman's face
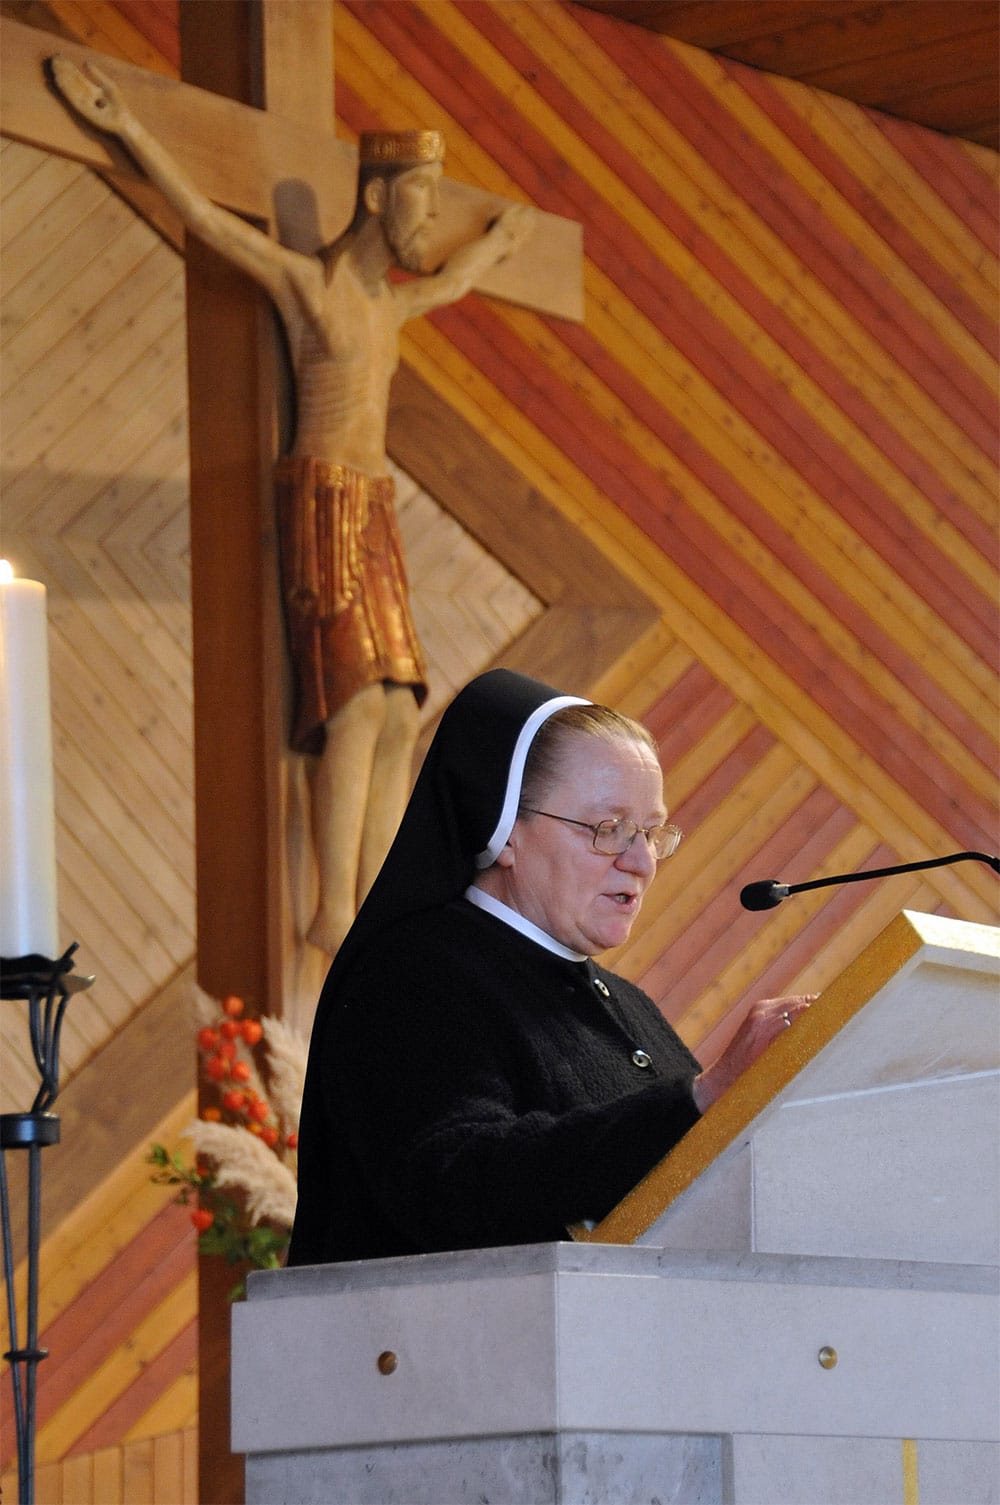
{"x": 549, "y": 871}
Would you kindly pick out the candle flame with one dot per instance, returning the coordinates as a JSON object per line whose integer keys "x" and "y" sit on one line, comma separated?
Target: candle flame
{"x": 6, "y": 570}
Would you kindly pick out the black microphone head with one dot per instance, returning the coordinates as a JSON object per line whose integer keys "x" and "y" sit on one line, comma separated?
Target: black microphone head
{"x": 767, "y": 894}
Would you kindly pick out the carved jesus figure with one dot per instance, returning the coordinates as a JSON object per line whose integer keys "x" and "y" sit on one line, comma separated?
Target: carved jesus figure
{"x": 357, "y": 662}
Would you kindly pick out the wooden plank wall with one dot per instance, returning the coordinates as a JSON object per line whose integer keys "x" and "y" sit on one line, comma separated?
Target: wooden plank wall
{"x": 85, "y": 345}
{"x": 118, "y": 1395}
{"x": 95, "y": 493}
{"x": 778, "y": 420}
{"x": 779, "y": 416}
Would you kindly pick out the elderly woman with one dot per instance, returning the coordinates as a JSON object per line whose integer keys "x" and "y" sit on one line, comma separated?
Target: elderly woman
{"x": 475, "y": 1078}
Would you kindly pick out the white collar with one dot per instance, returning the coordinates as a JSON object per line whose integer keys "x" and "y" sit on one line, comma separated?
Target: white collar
{"x": 501, "y": 911}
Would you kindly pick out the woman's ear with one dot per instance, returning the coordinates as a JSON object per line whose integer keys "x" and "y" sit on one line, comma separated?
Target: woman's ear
{"x": 505, "y": 856}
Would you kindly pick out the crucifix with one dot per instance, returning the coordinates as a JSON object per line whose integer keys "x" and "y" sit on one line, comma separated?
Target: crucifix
{"x": 252, "y": 125}
{"x": 321, "y": 290}
{"x": 359, "y": 669}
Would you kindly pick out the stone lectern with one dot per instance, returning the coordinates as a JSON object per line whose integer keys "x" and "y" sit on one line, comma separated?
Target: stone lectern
{"x": 798, "y": 1306}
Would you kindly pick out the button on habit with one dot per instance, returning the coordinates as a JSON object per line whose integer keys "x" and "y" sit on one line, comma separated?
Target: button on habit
{"x": 602, "y": 988}
{"x": 640, "y": 1058}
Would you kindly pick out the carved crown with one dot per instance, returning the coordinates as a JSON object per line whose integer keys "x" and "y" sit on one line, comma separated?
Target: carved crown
{"x": 400, "y": 148}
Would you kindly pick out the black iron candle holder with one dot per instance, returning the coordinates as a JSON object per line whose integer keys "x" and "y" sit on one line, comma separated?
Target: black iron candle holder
{"x": 48, "y": 987}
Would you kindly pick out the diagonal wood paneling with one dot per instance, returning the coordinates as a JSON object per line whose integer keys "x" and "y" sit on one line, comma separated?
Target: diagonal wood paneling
{"x": 784, "y": 383}
{"x": 780, "y": 411}
{"x": 117, "y": 1312}
{"x": 94, "y": 456}
{"x": 777, "y": 423}
{"x": 93, "y": 479}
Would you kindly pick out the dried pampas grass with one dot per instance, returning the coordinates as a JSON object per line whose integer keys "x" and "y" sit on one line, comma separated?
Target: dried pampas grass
{"x": 243, "y": 1160}
{"x": 287, "y": 1052}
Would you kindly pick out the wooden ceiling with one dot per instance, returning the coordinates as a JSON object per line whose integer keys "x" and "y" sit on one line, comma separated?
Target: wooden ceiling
{"x": 934, "y": 62}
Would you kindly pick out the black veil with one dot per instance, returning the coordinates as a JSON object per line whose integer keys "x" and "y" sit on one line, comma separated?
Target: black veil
{"x": 462, "y": 808}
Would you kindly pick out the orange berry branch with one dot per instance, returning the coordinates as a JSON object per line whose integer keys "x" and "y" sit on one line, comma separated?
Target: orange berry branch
{"x": 245, "y": 1143}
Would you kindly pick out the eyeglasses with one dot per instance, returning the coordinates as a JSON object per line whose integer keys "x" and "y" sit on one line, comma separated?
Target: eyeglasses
{"x": 613, "y": 837}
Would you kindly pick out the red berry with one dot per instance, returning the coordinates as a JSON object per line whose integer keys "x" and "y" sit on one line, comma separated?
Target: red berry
{"x": 255, "y": 1128}
{"x": 208, "y": 1039}
{"x": 270, "y": 1135}
{"x": 217, "y": 1067}
{"x": 230, "y": 1028}
{"x": 227, "y": 1050}
{"x": 259, "y": 1110}
{"x": 202, "y": 1219}
{"x": 252, "y": 1031}
{"x": 240, "y": 1071}
{"x": 212, "y": 1115}
{"x": 292, "y": 1141}
{"x": 234, "y": 1101}
{"x": 232, "y": 1005}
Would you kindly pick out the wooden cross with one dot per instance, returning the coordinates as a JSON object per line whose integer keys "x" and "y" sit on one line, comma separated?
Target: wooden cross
{"x": 282, "y": 167}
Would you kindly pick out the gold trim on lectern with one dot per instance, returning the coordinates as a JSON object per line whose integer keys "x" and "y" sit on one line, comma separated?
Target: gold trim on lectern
{"x": 785, "y": 1058}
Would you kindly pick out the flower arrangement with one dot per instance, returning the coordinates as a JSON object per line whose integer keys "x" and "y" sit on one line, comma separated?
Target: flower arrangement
{"x": 243, "y": 1179}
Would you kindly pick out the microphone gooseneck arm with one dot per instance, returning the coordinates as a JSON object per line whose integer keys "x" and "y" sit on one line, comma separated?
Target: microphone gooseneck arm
{"x": 769, "y": 892}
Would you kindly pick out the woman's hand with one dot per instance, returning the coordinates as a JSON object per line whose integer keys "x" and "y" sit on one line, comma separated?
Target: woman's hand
{"x": 766, "y": 1019}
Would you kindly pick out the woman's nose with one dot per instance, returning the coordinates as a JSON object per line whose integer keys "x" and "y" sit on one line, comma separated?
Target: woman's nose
{"x": 638, "y": 858}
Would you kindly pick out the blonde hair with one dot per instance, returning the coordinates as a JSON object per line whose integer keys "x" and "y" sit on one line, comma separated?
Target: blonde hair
{"x": 545, "y": 755}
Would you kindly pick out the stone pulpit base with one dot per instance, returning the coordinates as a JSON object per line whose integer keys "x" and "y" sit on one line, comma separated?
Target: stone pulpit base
{"x": 596, "y": 1375}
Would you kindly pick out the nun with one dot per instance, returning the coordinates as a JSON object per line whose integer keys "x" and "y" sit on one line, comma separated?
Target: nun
{"x": 475, "y": 1077}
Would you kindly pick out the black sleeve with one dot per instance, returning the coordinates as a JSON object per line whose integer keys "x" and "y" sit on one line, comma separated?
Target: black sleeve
{"x": 424, "y": 1087}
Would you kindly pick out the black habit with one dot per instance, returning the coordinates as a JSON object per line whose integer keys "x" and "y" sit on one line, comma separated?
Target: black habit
{"x": 466, "y": 1086}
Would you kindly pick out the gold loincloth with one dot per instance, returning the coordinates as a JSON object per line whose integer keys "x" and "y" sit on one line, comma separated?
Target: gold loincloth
{"x": 345, "y": 591}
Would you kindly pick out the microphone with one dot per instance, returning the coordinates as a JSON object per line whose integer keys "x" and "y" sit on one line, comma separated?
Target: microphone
{"x": 769, "y": 893}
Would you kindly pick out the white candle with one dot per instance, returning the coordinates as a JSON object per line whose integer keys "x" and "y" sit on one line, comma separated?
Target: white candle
{"x": 28, "y": 910}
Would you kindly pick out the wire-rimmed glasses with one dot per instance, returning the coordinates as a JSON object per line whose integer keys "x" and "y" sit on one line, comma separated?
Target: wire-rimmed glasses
{"x": 613, "y": 837}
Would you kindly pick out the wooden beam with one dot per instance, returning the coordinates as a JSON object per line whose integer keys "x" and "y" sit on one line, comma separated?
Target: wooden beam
{"x": 490, "y": 498}
{"x": 266, "y": 165}
{"x": 189, "y": 121}
{"x": 237, "y": 743}
{"x": 295, "y": 50}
